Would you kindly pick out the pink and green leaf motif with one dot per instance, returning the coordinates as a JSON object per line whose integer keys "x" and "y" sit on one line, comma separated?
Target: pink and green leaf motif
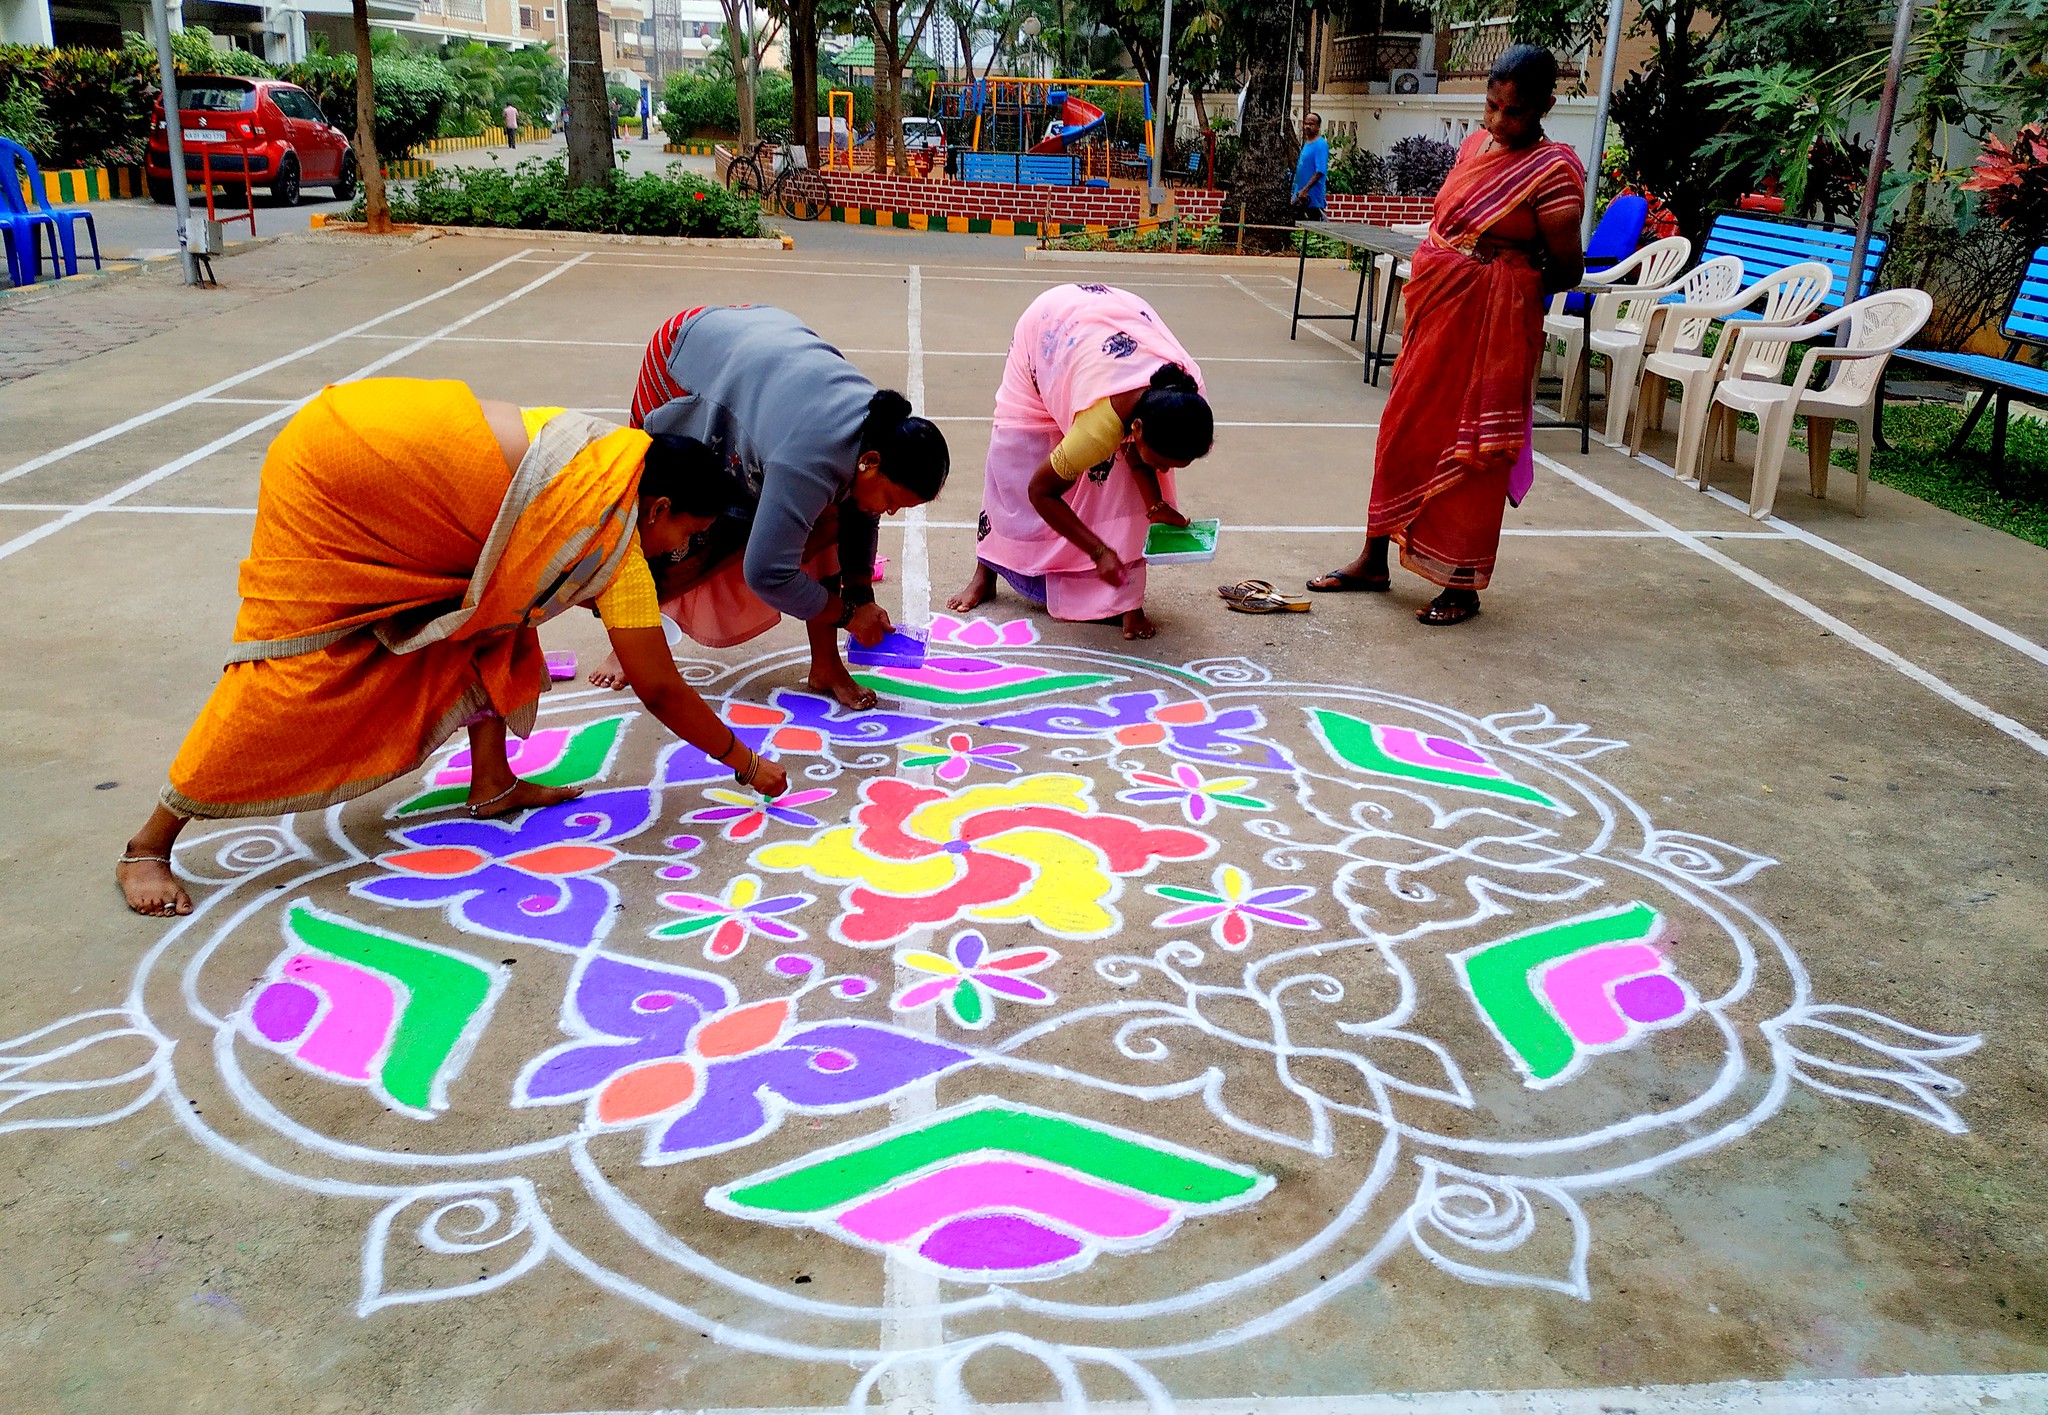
{"x": 366, "y": 1008}
{"x": 727, "y": 922}
{"x": 1559, "y": 995}
{"x": 970, "y": 978}
{"x": 674, "y": 1051}
{"x": 1232, "y": 909}
{"x": 958, "y": 754}
{"x": 974, "y": 682}
{"x": 978, "y": 633}
{"x": 1196, "y": 795}
{"x": 994, "y": 1191}
{"x": 553, "y": 756}
{"x": 1414, "y": 756}
{"x": 742, "y": 816}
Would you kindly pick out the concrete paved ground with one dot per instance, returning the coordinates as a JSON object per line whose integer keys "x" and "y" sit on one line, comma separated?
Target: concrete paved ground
{"x": 1787, "y": 775}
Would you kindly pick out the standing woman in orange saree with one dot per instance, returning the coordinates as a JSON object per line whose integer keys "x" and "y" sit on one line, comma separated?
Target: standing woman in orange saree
{"x": 409, "y": 537}
{"x": 1504, "y": 236}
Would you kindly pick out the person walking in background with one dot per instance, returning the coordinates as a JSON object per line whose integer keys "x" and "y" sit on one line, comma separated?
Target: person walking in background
{"x": 1312, "y": 170}
{"x": 511, "y": 126}
{"x": 1453, "y": 448}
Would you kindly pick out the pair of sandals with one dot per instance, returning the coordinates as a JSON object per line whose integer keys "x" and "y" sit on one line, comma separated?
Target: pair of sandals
{"x": 1259, "y": 597}
{"x": 1439, "y": 613}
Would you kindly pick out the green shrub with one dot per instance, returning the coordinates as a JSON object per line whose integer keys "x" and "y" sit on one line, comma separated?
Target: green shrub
{"x": 625, "y": 101}
{"x": 413, "y": 93}
{"x": 23, "y": 120}
{"x": 536, "y": 196}
{"x": 96, "y": 101}
{"x": 693, "y": 106}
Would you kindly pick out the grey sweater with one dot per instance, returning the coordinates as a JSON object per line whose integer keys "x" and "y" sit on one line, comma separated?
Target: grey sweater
{"x": 785, "y": 409}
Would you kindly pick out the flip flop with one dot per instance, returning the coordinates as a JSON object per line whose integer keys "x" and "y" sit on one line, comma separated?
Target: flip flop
{"x": 1245, "y": 589}
{"x": 1437, "y": 615}
{"x": 1351, "y": 584}
{"x": 1271, "y": 604}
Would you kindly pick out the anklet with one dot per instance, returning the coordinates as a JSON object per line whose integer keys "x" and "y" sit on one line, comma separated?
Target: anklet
{"x": 477, "y": 811}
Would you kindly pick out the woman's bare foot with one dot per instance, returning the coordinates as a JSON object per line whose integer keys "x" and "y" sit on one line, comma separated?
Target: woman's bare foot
{"x": 979, "y": 589}
{"x": 524, "y": 796}
{"x": 150, "y": 888}
{"x": 608, "y": 674}
{"x": 144, "y": 871}
{"x": 1137, "y": 626}
{"x": 840, "y": 687}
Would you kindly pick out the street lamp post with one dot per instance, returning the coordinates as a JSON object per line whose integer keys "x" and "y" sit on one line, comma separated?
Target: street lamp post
{"x": 1158, "y": 192}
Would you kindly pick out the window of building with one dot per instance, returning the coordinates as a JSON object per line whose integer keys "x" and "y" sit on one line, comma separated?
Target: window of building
{"x": 548, "y": 15}
{"x": 526, "y": 17}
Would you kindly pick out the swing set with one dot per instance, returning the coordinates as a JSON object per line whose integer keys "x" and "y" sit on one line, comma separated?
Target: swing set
{"x": 1048, "y": 132}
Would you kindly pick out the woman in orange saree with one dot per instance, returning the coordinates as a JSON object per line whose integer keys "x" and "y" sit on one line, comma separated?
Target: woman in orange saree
{"x": 408, "y": 540}
{"x": 1504, "y": 235}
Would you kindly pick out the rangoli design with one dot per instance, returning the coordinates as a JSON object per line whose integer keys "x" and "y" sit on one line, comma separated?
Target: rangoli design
{"x": 1093, "y": 1009}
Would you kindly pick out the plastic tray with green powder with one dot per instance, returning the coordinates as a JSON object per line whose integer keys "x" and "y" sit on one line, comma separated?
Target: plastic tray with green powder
{"x": 1192, "y": 544}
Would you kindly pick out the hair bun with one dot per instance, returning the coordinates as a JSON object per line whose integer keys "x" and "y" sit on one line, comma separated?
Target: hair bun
{"x": 1172, "y": 378}
{"x": 888, "y": 406}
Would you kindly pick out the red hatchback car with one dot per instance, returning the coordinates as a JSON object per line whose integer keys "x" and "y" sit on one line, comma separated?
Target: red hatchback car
{"x": 272, "y": 131}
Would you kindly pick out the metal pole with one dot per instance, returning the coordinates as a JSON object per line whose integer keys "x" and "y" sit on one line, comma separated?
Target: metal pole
{"x": 1880, "y": 148}
{"x": 174, "y": 136}
{"x": 1599, "y": 162}
{"x": 1158, "y": 192}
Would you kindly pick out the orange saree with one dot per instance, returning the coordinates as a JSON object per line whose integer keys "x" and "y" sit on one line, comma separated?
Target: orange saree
{"x": 1458, "y": 413}
{"x": 396, "y": 574}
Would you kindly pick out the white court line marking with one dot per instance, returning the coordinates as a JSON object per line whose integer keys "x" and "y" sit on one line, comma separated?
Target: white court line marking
{"x": 907, "y": 1285}
{"x": 1866, "y": 1395}
{"x": 1351, "y": 355}
{"x": 265, "y": 402}
{"x": 165, "y": 409}
{"x": 642, "y": 344}
{"x": 178, "y": 464}
{"x": 563, "y": 343}
{"x": 132, "y": 510}
{"x": 787, "y": 270}
{"x": 1557, "y": 533}
{"x": 2011, "y": 727}
{"x": 1912, "y": 589}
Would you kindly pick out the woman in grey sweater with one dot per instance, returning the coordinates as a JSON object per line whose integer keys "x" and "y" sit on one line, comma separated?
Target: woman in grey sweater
{"x": 816, "y": 453}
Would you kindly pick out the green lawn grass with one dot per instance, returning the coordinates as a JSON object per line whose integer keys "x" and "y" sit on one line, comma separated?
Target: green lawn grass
{"x": 1920, "y": 464}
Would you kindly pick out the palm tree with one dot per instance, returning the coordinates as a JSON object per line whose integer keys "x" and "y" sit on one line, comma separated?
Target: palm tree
{"x": 591, "y": 161}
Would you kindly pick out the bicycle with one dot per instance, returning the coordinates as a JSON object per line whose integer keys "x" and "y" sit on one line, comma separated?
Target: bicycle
{"x": 797, "y": 190}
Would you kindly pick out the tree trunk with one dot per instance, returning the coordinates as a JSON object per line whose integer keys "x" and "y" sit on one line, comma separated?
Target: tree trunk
{"x": 1265, "y": 163}
{"x": 888, "y": 102}
{"x": 590, "y": 107}
{"x": 803, "y": 73}
{"x": 376, "y": 211}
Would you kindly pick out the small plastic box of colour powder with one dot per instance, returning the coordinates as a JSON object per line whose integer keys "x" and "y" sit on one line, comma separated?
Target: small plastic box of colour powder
{"x": 561, "y": 665}
{"x": 899, "y": 648}
{"x": 1192, "y": 544}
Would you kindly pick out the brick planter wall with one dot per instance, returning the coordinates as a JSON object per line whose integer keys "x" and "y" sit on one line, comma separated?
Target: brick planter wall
{"x": 1089, "y": 206}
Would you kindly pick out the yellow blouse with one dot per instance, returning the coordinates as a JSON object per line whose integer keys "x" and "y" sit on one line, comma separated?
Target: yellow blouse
{"x": 630, "y": 601}
{"x": 1091, "y": 441}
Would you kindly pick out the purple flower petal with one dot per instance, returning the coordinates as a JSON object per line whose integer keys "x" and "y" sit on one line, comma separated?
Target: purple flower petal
{"x": 789, "y": 817}
{"x": 969, "y": 949}
{"x": 1014, "y": 986}
{"x": 1181, "y": 918}
{"x": 721, "y": 813}
{"x": 795, "y": 965}
{"x": 1281, "y": 917}
{"x": 1136, "y": 797}
{"x": 695, "y": 903}
{"x": 1280, "y": 894}
{"x": 775, "y": 928}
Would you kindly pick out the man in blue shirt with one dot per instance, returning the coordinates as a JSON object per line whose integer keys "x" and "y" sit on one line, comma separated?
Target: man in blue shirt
{"x": 1311, "y": 169}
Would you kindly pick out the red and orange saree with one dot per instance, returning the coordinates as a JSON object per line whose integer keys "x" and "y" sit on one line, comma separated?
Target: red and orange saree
{"x": 1458, "y": 414}
{"x": 396, "y": 574}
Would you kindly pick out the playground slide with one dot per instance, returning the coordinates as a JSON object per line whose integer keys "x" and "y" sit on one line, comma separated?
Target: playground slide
{"x": 1079, "y": 121}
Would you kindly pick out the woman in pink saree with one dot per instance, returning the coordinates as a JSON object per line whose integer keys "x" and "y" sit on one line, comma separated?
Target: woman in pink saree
{"x": 1099, "y": 407}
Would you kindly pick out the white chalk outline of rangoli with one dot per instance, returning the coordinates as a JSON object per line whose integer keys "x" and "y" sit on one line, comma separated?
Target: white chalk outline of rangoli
{"x": 1461, "y": 1219}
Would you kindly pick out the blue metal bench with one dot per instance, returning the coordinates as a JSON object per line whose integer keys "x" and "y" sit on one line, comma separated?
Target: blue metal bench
{"x": 2025, "y": 325}
{"x": 1017, "y": 169}
{"x": 1764, "y": 246}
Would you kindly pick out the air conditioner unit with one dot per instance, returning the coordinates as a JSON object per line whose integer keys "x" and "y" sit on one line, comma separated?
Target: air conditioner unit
{"x": 1411, "y": 81}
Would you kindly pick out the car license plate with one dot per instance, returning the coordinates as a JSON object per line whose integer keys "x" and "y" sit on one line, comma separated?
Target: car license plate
{"x": 205, "y": 135}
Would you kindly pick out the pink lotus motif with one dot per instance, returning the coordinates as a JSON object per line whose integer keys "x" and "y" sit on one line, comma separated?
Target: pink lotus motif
{"x": 528, "y": 757}
{"x": 983, "y": 633}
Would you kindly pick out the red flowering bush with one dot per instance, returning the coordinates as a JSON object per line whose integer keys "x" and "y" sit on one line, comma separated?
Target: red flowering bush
{"x": 2014, "y": 180}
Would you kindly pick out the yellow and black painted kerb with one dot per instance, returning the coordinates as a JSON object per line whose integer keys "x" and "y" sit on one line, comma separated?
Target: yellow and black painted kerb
{"x": 406, "y": 168}
{"x": 690, "y": 148}
{"x": 959, "y": 225}
{"x": 94, "y": 184}
{"x": 491, "y": 139}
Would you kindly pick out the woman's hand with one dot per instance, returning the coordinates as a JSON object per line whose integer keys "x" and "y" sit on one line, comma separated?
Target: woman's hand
{"x": 1109, "y": 566}
{"x": 869, "y": 624}
{"x": 768, "y": 777}
{"x": 1160, "y": 513}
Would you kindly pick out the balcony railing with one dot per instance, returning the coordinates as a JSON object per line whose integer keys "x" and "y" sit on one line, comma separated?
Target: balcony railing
{"x": 1474, "y": 49}
{"x": 1371, "y": 58}
{"x": 453, "y": 9}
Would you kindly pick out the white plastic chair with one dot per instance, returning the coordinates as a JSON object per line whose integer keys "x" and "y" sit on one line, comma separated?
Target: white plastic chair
{"x": 1878, "y": 324}
{"x": 1648, "y": 271}
{"x": 1788, "y": 296}
{"x": 1672, "y": 330}
{"x": 1637, "y": 323}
